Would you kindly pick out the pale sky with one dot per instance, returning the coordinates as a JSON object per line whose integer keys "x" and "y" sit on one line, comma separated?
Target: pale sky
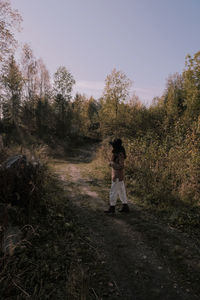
{"x": 146, "y": 39}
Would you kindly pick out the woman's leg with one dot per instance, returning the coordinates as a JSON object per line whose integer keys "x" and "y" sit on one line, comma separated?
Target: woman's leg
{"x": 122, "y": 192}
{"x": 114, "y": 192}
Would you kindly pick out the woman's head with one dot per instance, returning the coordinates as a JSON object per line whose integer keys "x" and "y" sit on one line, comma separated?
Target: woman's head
{"x": 116, "y": 143}
{"x": 117, "y": 146}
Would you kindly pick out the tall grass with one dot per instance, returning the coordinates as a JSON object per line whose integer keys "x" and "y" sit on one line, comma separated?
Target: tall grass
{"x": 165, "y": 171}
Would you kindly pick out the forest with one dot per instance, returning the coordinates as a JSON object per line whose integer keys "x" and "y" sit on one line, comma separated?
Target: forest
{"x": 41, "y": 114}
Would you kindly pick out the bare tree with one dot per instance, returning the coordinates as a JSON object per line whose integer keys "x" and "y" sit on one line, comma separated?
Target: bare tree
{"x": 10, "y": 21}
{"x": 30, "y": 73}
{"x": 44, "y": 80}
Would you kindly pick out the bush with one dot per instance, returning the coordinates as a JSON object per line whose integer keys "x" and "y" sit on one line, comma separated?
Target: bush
{"x": 165, "y": 170}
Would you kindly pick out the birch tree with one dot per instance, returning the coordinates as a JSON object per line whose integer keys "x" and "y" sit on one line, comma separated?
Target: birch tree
{"x": 10, "y": 21}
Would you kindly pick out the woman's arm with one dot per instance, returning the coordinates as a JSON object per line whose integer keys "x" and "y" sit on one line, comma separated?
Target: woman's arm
{"x": 120, "y": 162}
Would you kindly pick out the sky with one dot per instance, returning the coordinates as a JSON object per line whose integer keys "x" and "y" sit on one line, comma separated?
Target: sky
{"x": 148, "y": 40}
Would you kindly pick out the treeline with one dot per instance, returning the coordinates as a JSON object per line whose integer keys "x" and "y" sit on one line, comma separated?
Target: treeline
{"x": 32, "y": 106}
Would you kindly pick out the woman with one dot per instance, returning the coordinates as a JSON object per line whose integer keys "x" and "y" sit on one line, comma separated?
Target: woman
{"x": 117, "y": 187}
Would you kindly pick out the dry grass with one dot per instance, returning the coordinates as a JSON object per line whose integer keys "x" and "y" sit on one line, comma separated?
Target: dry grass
{"x": 51, "y": 259}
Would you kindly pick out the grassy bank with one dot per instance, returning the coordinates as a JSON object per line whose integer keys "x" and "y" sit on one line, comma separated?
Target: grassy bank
{"x": 51, "y": 258}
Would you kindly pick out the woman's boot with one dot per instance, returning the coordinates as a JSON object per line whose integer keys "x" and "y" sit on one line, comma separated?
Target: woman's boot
{"x": 125, "y": 209}
{"x": 111, "y": 210}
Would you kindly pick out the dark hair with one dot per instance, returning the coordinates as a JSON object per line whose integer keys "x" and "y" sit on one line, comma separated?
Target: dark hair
{"x": 117, "y": 147}
{"x": 116, "y": 143}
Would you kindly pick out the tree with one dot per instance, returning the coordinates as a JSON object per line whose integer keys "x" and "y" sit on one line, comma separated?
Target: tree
{"x": 174, "y": 96}
{"x": 116, "y": 92}
{"x": 10, "y": 20}
{"x": 191, "y": 76}
{"x": 13, "y": 83}
{"x": 30, "y": 73}
{"x": 63, "y": 83}
{"x": 85, "y": 116}
{"x": 30, "y": 88}
{"x": 93, "y": 108}
{"x": 43, "y": 118}
{"x": 116, "y": 89}
{"x": 43, "y": 80}
{"x": 77, "y": 114}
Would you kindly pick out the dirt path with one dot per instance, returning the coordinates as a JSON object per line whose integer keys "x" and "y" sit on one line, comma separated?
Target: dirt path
{"x": 144, "y": 258}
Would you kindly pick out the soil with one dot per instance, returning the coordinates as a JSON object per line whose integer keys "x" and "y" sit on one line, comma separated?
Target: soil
{"x": 142, "y": 257}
